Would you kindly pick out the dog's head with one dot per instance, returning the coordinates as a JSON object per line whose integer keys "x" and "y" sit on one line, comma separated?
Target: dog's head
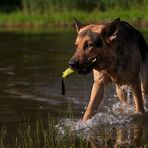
{"x": 94, "y": 42}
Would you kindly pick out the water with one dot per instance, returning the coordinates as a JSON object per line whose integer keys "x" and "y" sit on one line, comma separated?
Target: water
{"x": 30, "y": 83}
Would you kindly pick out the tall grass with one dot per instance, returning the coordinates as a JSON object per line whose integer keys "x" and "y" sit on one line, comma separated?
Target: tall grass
{"x": 64, "y": 19}
{"x": 3, "y": 136}
{"x": 45, "y": 6}
{"x": 59, "y": 13}
{"x": 41, "y": 134}
{"x": 38, "y": 135}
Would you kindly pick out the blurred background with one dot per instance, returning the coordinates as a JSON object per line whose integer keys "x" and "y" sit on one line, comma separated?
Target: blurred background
{"x": 49, "y": 13}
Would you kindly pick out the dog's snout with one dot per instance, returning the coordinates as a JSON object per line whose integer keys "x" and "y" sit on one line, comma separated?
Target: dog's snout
{"x": 73, "y": 63}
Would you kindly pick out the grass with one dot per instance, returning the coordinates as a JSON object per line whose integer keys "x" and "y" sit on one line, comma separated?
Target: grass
{"x": 40, "y": 134}
{"x": 44, "y": 134}
{"x": 64, "y": 19}
{"x": 37, "y": 135}
{"x": 2, "y": 136}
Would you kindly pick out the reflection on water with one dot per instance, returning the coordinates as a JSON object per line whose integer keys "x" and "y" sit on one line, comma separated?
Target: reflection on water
{"x": 30, "y": 67}
{"x": 30, "y": 82}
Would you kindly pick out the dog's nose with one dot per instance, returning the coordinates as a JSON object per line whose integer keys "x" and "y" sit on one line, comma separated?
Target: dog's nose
{"x": 74, "y": 64}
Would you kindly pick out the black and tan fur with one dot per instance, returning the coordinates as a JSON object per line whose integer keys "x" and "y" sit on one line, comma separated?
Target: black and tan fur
{"x": 122, "y": 58}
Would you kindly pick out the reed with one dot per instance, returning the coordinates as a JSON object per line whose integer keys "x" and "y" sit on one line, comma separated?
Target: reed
{"x": 51, "y": 13}
{"x": 41, "y": 133}
{"x": 64, "y": 19}
{"x": 3, "y": 134}
{"x": 42, "y": 7}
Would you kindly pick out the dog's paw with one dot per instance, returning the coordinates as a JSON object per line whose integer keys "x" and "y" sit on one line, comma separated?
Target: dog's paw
{"x": 139, "y": 114}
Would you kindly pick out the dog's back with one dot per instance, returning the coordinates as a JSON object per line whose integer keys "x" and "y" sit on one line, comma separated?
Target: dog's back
{"x": 131, "y": 33}
{"x": 138, "y": 37}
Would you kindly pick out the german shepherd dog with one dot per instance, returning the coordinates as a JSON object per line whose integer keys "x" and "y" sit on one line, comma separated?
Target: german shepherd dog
{"x": 121, "y": 54}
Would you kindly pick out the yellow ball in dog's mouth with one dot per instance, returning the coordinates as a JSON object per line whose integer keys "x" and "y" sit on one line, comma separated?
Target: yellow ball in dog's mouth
{"x": 69, "y": 71}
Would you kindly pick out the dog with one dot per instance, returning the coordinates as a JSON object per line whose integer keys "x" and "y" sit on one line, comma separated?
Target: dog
{"x": 121, "y": 54}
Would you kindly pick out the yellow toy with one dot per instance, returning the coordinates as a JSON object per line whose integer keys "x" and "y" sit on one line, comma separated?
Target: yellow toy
{"x": 69, "y": 71}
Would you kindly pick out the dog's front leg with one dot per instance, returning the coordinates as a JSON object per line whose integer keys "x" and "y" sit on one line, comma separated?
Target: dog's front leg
{"x": 97, "y": 94}
{"x": 95, "y": 99}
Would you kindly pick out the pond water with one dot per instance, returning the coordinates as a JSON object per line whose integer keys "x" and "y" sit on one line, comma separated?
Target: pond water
{"x": 31, "y": 65}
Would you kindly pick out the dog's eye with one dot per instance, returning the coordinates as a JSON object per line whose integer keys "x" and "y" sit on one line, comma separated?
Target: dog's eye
{"x": 88, "y": 45}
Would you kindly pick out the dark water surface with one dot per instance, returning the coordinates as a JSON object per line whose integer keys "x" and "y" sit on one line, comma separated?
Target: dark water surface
{"x": 30, "y": 82}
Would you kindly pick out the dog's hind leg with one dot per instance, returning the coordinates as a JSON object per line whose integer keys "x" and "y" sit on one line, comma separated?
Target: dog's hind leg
{"x": 137, "y": 95}
{"x": 122, "y": 94}
{"x": 97, "y": 94}
{"x": 144, "y": 79}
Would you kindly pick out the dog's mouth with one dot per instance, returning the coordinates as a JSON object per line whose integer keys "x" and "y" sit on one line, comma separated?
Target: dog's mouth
{"x": 87, "y": 67}
{"x": 85, "y": 71}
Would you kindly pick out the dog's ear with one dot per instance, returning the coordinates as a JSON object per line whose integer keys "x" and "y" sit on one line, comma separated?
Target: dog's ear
{"x": 110, "y": 31}
{"x": 77, "y": 24}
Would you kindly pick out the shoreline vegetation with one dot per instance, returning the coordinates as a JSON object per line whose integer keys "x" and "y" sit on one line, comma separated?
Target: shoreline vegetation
{"x": 64, "y": 19}
{"x": 53, "y": 14}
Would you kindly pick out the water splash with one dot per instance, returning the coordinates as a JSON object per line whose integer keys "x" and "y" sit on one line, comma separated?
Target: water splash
{"x": 111, "y": 116}
{"x": 100, "y": 119}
